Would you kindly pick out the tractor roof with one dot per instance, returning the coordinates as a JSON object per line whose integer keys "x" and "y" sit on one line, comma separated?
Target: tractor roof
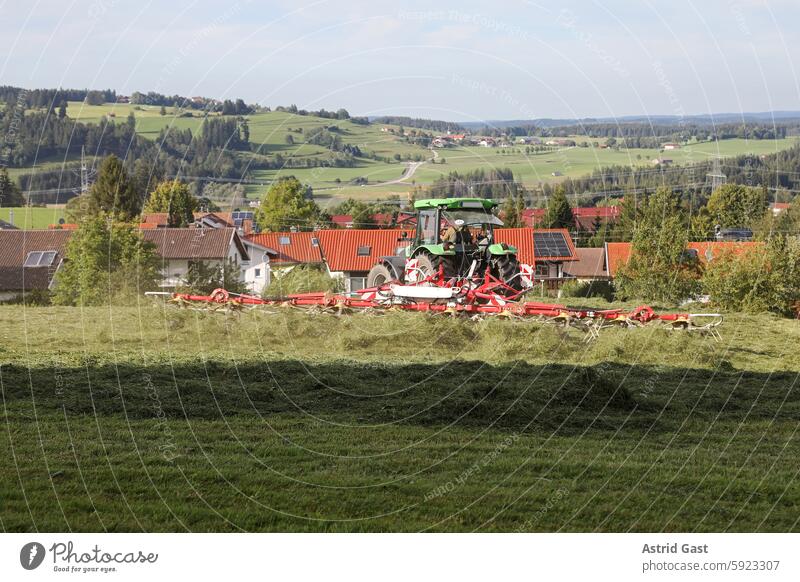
{"x": 455, "y": 203}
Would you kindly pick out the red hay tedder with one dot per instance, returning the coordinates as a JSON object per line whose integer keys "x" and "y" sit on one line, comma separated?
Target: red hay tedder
{"x": 469, "y": 297}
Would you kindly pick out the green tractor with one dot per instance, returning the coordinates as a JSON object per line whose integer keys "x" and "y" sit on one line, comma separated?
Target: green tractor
{"x": 454, "y": 236}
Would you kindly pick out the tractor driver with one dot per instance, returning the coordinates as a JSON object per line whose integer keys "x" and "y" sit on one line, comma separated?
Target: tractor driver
{"x": 458, "y": 234}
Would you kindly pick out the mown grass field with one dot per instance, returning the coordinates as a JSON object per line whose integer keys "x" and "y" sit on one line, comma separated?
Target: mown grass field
{"x": 28, "y": 217}
{"x": 156, "y": 419}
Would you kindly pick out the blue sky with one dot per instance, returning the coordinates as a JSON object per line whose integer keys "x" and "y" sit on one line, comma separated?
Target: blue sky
{"x": 466, "y": 60}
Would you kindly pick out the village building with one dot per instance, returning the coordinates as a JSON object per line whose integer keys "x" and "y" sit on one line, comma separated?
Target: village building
{"x": 30, "y": 260}
{"x": 180, "y": 247}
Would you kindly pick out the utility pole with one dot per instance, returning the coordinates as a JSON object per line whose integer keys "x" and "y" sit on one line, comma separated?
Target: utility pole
{"x": 87, "y": 173}
{"x": 715, "y": 178}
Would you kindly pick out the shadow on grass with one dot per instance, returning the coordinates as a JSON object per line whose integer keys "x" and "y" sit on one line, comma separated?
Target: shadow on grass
{"x": 514, "y": 396}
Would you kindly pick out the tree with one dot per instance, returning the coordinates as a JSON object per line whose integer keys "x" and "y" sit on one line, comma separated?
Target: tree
{"x": 114, "y": 191}
{"x": 659, "y": 268}
{"x": 10, "y": 194}
{"x": 202, "y": 278}
{"x": 756, "y": 279}
{"x": 512, "y": 209}
{"x": 287, "y": 204}
{"x": 95, "y": 98}
{"x": 105, "y": 260}
{"x": 559, "y": 212}
{"x": 176, "y": 200}
{"x": 162, "y": 111}
{"x": 62, "y": 110}
{"x": 702, "y": 225}
{"x": 737, "y": 206}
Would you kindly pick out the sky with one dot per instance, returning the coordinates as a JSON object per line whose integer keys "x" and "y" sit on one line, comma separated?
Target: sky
{"x": 462, "y": 61}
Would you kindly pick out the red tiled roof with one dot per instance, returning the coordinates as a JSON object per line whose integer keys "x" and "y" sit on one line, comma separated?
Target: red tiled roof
{"x": 340, "y": 247}
{"x": 706, "y": 251}
{"x": 65, "y": 226}
{"x": 521, "y": 238}
{"x": 584, "y": 215}
{"x": 618, "y": 254}
{"x": 596, "y": 211}
{"x": 224, "y": 217}
{"x": 299, "y": 250}
{"x": 342, "y": 220}
{"x": 193, "y": 243}
{"x": 157, "y": 218}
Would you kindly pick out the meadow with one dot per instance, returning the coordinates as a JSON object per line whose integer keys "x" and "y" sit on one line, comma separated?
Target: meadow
{"x": 151, "y": 418}
{"x": 28, "y": 217}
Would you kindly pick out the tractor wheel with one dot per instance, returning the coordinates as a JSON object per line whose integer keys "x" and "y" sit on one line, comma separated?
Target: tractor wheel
{"x": 379, "y": 275}
{"x": 506, "y": 268}
{"x": 428, "y": 265}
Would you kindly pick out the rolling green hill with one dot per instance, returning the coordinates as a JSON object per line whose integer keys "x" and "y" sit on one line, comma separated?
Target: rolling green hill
{"x": 383, "y": 170}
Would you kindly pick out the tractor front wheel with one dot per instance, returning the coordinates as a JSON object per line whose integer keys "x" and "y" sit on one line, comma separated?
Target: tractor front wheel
{"x": 506, "y": 268}
{"x": 379, "y": 275}
{"x": 428, "y": 265}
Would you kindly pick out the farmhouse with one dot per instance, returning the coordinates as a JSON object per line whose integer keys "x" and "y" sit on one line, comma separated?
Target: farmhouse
{"x": 291, "y": 248}
{"x": 257, "y": 271}
{"x": 180, "y": 247}
{"x": 545, "y": 249}
{"x": 590, "y": 265}
{"x": 672, "y": 146}
{"x": 350, "y": 254}
{"x": 29, "y": 260}
{"x": 618, "y": 254}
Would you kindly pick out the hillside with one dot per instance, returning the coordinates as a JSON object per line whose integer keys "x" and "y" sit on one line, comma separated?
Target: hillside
{"x": 342, "y": 158}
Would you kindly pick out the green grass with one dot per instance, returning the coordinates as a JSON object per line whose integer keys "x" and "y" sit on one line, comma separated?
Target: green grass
{"x": 29, "y": 217}
{"x": 156, "y": 419}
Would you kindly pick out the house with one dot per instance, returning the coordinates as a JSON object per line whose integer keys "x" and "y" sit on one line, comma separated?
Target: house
{"x": 123, "y": 99}
{"x": 342, "y": 221}
{"x": 180, "y": 247}
{"x": 778, "y": 207}
{"x": 257, "y": 270}
{"x": 671, "y": 146}
{"x": 585, "y": 216}
{"x": 6, "y": 225}
{"x": 243, "y": 221}
{"x": 487, "y": 142}
{"x": 545, "y": 249}
{"x": 590, "y": 265}
{"x": 292, "y": 249}
{"x": 30, "y": 260}
{"x": 561, "y": 142}
{"x": 350, "y": 254}
{"x": 662, "y": 162}
{"x": 618, "y": 254}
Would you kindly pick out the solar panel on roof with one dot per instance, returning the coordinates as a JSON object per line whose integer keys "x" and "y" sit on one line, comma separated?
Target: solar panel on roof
{"x": 550, "y": 244}
{"x": 241, "y": 215}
